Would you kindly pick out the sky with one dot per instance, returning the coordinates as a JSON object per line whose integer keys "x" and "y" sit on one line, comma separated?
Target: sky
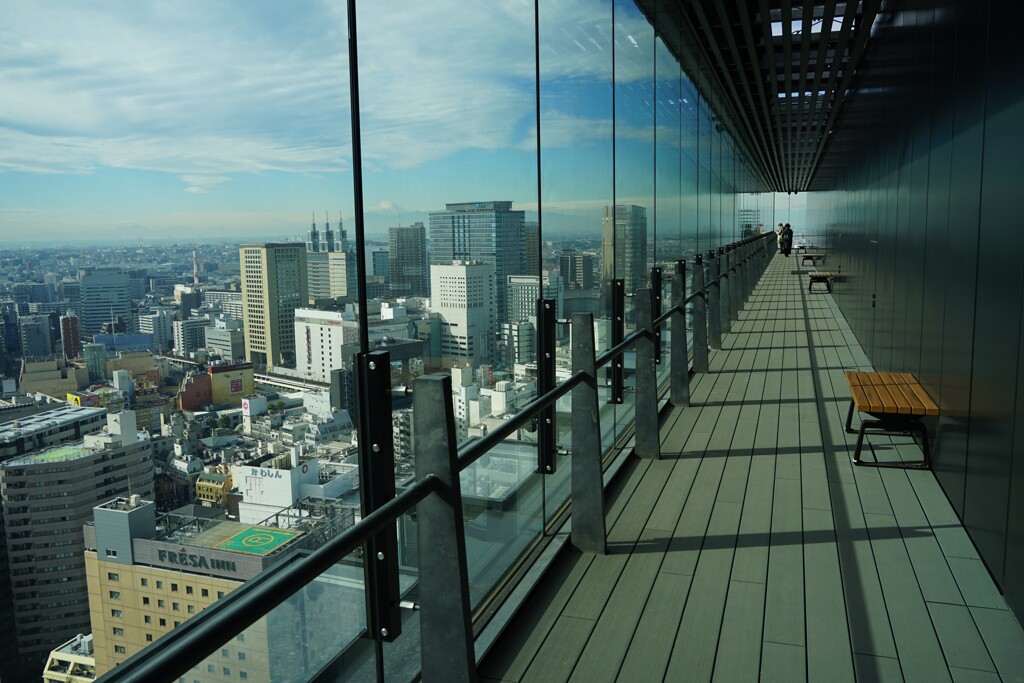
{"x": 212, "y": 118}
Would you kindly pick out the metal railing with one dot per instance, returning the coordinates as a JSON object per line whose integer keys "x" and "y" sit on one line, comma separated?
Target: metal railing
{"x": 446, "y": 631}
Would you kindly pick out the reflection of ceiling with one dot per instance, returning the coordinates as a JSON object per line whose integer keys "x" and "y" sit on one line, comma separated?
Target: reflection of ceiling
{"x": 783, "y": 69}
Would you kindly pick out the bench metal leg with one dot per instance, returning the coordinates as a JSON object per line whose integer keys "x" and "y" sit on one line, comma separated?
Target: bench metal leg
{"x": 890, "y": 428}
{"x": 849, "y": 419}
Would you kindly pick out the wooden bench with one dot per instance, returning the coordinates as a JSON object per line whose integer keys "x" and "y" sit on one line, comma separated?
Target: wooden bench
{"x": 813, "y": 258}
{"x": 897, "y": 401}
{"x": 820, "y": 277}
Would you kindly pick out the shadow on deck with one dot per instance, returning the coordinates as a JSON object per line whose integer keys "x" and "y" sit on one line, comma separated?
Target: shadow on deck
{"x": 755, "y": 550}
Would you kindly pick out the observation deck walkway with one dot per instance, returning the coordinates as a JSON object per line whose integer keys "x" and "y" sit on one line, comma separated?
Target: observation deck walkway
{"x": 755, "y": 550}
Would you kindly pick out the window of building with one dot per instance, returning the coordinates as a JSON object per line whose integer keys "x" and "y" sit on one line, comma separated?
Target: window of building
{"x": 111, "y": 576}
{"x": 159, "y": 584}
{"x": 161, "y": 603}
{"x": 110, "y": 552}
{"x": 220, "y": 594}
{"x": 145, "y": 582}
{"x": 116, "y": 613}
{"x": 227, "y": 671}
{"x": 174, "y": 588}
{"x": 176, "y": 606}
{"x": 118, "y": 631}
{"x": 209, "y": 668}
{"x": 119, "y": 649}
{"x": 205, "y": 593}
{"x": 149, "y": 637}
{"x": 243, "y": 675}
{"x": 241, "y": 656}
{"x": 148, "y": 619}
{"x": 115, "y": 595}
{"x": 191, "y": 609}
{"x": 145, "y": 600}
{"x": 188, "y": 590}
{"x": 224, "y": 652}
{"x": 163, "y": 622}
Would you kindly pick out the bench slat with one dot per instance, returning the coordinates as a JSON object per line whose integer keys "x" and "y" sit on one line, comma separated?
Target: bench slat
{"x": 929, "y": 405}
{"x": 889, "y": 404}
{"x": 916, "y": 407}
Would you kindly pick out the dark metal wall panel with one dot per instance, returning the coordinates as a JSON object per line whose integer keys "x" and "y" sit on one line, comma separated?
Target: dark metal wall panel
{"x": 998, "y": 303}
{"x": 938, "y": 108}
{"x": 970, "y": 22}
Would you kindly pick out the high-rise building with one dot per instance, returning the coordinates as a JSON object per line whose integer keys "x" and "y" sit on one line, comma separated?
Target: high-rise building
{"x": 576, "y": 269}
{"x": 331, "y": 274}
{"x": 522, "y": 292}
{"x": 519, "y": 341}
{"x": 34, "y": 332}
{"x": 274, "y": 284}
{"x": 531, "y": 255}
{"x": 225, "y": 338}
{"x": 71, "y": 343}
{"x": 623, "y": 248}
{"x": 104, "y": 294}
{"x": 409, "y": 273}
{"x": 380, "y": 262}
{"x": 158, "y": 324}
{"x": 462, "y": 294}
{"x": 47, "y": 497}
{"x": 28, "y": 292}
{"x": 482, "y": 232}
{"x": 189, "y": 335}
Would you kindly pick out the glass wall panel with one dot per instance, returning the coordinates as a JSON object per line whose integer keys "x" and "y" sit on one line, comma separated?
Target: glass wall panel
{"x": 577, "y": 181}
{"x": 627, "y": 252}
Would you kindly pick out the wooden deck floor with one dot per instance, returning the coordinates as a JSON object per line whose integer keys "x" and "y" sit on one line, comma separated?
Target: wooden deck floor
{"x": 755, "y": 550}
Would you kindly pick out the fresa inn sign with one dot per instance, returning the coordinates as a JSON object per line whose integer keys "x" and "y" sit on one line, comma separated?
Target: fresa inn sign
{"x": 184, "y": 559}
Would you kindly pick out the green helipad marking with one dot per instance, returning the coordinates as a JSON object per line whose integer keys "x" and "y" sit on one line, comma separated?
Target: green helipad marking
{"x": 257, "y": 540}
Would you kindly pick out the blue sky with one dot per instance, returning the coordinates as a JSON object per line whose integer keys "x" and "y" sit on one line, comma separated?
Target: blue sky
{"x": 230, "y": 119}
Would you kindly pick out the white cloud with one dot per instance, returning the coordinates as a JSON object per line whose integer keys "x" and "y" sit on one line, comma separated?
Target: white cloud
{"x": 205, "y": 88}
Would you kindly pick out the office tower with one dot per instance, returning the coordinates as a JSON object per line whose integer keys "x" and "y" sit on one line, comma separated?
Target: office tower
{"x": 274, "y": 284}
{"x": 576, "y": 269}
{"x": 482, "y": 232}
{"x": 47, "y": 497}
{"x": 313, "y": 245}
{"x": 138, "y": 280}
{"x": 69, "y": 292}
{"x": 226, "y": 339}
{"x": 189, "y": 335}
{"x": 519, "y": 341}
{"x": 230, "y": 303}
{"x": 71, "y": 343}
{"x": 409, "y": 273}
{"x": 531, "y": 256}
{"x": 189, "y": 297}
{"x": 623, "y": 248}
{"x": 522, "y": 292}
{"x": 462, "y": 294}
{"x": 34, "y": 333}
{"x": 29, "y": 292}
{"x": 95, "y": 357}
{"x": 159, "y": 325}
{"x": 380, "y": 262}
{"x": 747, "y": 222}
{"x": 104, "y": 297}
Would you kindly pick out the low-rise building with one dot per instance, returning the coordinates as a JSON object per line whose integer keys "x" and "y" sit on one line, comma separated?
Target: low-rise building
{"x": 71, "y": 662}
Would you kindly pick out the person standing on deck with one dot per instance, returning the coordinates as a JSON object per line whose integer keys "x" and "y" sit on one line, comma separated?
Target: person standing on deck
{"x": 786, "y": 243}
{"x": 778, "y": 236}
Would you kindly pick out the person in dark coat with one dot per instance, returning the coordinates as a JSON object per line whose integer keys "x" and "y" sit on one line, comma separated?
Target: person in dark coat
{"x": 787, "y": 240}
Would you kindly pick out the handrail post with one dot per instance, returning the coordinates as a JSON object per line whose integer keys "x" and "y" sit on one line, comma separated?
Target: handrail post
{"x": 656, "y": 294}
{"x": 700, "y": 318}
{"x": 377, "y": 486}
{"x": 728, "y": 283}
{"x": 545, "y": 383}
{"x": 714, "y": 297}
{"x": 748, "y": 267}
{"x": 446, "y": 632}
{"x": 588, "y": 524}
{"x": 679, "y": 363}
{"x": 618, "y": 334}
{"x": 648, "y": 440}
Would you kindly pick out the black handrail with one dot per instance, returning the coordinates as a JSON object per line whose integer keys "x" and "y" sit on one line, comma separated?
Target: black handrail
{"x": 198, "y": 637}
{"x": 474, "y": 450}
{"x": 167, "y": 659}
